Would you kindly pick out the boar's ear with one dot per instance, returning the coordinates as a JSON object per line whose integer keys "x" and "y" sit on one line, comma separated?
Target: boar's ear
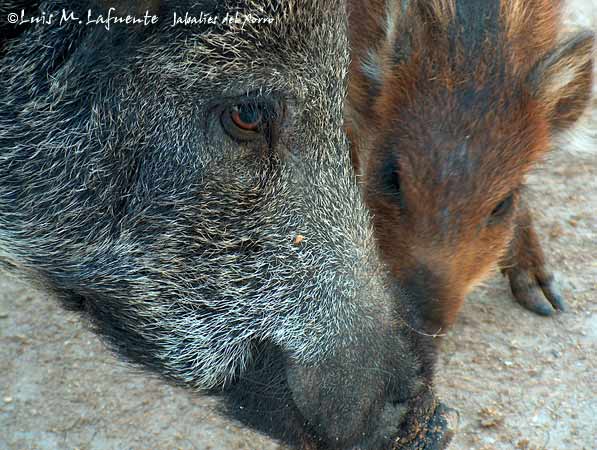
{"x": 563, "y": 80}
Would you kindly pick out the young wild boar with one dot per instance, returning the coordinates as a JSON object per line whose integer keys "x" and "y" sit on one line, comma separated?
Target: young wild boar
{"x": 451, "y": 104}
{"x": 185, "y": 188}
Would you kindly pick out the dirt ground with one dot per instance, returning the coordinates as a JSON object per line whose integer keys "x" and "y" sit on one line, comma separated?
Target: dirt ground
{"x": 519, "y": 381}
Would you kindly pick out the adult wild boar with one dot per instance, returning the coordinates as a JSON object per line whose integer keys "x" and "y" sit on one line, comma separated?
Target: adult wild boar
{"x": 188, "y": 189}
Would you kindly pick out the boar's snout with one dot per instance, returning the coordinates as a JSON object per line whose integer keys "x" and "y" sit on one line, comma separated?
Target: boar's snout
{"x": 361, "y": 396}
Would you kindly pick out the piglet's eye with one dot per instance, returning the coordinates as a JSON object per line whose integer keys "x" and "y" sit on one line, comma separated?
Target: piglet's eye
{"x": 390, "y": 177}
{"x": 503, "y": 208}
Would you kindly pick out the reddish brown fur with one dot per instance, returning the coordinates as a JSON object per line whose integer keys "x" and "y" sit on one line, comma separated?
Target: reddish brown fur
{"x": 466, "y": 102}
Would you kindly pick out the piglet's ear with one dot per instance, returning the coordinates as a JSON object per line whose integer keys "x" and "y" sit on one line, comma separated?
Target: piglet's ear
{"x": 563, "y": 80}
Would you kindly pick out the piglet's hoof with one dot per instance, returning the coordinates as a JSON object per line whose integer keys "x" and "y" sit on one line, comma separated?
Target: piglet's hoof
{"x": 536, "y": 292}
{"x": 430, "y": 427}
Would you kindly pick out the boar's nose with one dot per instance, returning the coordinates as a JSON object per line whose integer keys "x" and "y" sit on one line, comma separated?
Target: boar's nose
{"x": 356, "y": 399}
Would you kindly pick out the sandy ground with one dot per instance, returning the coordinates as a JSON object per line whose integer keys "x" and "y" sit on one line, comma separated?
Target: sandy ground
{"x": 518, "y": 380}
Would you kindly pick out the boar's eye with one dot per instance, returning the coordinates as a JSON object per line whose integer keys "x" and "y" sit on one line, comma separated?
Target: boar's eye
{"x": 248, "y": 120}
{"x": 246, "y": 117}
{"x": 502, "y": 208}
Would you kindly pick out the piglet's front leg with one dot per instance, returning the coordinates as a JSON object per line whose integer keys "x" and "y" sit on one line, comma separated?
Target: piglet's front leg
{"x": 532, "y": 284}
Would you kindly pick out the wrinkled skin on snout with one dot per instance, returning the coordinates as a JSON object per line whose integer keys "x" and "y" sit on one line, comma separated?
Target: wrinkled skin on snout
{"x": 189, "y": 191}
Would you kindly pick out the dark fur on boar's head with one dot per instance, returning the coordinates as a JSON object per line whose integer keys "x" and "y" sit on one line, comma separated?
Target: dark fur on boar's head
{"x": 189, "y": 190}
{"x": 451, "y": 104}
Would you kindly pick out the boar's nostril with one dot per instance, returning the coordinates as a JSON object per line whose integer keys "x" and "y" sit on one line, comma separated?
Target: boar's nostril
{"x": 391, "y": 419}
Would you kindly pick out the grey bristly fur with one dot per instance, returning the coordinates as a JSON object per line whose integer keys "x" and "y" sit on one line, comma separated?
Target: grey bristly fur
{"x": 121, "y": 193}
